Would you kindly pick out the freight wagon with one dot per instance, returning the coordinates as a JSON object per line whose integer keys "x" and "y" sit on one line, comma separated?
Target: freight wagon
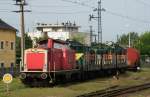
{"x": 133, "y": 59}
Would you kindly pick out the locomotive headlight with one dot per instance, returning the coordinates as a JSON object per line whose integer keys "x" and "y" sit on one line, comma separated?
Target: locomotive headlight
{"x": 34, "y": 50}
{"x": 43, "y": 75}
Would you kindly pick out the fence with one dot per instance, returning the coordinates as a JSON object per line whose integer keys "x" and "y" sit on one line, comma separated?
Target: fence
{"x": 14, "y": 71}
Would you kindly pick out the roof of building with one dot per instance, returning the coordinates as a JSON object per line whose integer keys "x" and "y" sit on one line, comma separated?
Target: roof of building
{"x": 4, "y": 25}
{"x": 62, "y": 25}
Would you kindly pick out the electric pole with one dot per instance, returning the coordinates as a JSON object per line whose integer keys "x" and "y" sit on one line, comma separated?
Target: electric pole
{"x": 129, "y": 39}
{"x": 117, "y": 38}
{"x": 91, "y": 34}
{"x": 95, "y": 37}
{"x": 99, "y": 10}
{"x": 99, "y": 23}
{"x": 22, "y": 3}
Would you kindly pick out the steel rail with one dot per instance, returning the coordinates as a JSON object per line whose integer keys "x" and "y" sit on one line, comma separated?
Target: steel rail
{"x": 117, "y": 91}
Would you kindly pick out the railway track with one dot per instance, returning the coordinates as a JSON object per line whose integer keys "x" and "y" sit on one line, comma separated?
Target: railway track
{"x": 113, "y": 92}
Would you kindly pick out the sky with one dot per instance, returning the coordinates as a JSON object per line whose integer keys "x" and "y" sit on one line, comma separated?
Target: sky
{"x": 121, "y": 16}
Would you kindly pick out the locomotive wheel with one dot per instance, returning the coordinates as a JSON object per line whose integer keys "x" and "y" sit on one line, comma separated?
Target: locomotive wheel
{"x": 36, "y": 82}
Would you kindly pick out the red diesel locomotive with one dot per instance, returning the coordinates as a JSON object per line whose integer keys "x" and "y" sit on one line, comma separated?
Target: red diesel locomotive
{"x": 51, "y": 59}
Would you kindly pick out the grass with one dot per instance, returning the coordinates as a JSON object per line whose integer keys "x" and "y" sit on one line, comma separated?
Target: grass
{"x": 17, "y": 89}
{"x": 145, "y": 93}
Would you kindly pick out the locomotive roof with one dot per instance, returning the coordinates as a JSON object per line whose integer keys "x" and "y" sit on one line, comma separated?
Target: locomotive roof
{"x": 74, "y": 43}
{"x": 55, "y": 40}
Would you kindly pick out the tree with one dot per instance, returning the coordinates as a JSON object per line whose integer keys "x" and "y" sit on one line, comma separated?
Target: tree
{"x": 124, "y": 39}
{"x": 43, "y": 37}
{"x": 79, "y": 37}
{"x": 144, "y": 43}
{"x": 40, "y": 39}
{"x": 18, "y": 49}
{"x": 28, "y": 44}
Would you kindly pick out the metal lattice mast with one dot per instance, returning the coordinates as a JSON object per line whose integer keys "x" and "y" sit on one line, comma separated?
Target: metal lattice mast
{"x": 99, "y": 10}
{"x": 99, "y": 23}
{"x": 91, "y": 34}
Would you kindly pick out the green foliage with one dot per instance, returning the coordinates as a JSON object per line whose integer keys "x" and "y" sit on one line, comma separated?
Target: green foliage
{"x": 124, "y": 39}
{"x": 142, "y": 42}
{"x": 40, "y": 39}
{"x": 79, "y": 37}
{"x": 28, "y": 44}
{"x": 17, "y": 89}
{"x": 44, "y": 37}
{"x": 18, "y": 46}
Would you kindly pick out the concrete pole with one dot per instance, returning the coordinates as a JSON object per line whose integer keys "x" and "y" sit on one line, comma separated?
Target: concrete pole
{"x": 129, "y": 39}
{"x": 22, "y": 30}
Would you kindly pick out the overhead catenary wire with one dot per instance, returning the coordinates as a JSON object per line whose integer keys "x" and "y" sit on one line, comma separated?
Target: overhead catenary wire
{"x": 4, "y": 11}
{"x": 127, "y": 17}
{"x": 46, "y": 12}
{"x": 34, "y": 5}
{"x": 112, "y": 13}
{"x": 78, "y": 2}
{"x": 142, "y": 2}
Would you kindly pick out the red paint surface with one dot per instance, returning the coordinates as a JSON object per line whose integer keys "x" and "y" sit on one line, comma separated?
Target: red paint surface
{"x": 50, "y": 43}
{"x": 55, "y": 59}
{"x": 132, "y": 56}
{"x": 35, "y": 61}
{"x": 68, "y": 59}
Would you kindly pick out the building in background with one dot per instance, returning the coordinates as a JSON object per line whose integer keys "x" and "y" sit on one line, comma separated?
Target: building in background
{"x": 7, "y": 45}
{"x": 61, "y": 31}
{"x": 63, "y": 27}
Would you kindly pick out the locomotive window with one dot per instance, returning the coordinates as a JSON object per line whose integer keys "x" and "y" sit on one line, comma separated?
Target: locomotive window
{"x": 43, "y": 45}
{"x": 59, "y": 46}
